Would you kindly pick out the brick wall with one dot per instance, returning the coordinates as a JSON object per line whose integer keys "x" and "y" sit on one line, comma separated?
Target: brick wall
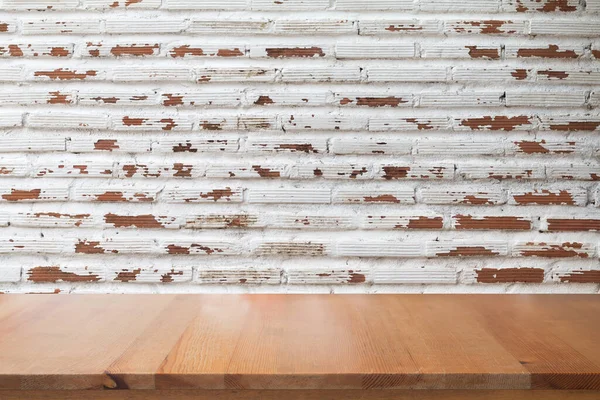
{"x": 299, "y": 145}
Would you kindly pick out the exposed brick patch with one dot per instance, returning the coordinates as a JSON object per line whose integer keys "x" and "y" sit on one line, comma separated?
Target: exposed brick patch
{"x": 582, "y": 276}
{"x": 468, "y": 222}
{"x": 295, "y": 52}
{"x": 573, "y": 224}
{"x": 510, "y": 275}
{"x": 554, "y": 250}
{"x": 55, "y": 274}
{"x": 553, "y": 51}
{"x": 496, "y": 123}
{"x": 550, "y": 197}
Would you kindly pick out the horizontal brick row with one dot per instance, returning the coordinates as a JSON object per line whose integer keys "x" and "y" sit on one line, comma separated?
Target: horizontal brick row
{"x": 482, "y": 6}
{"x": 339, "y": 74}
{"x": 312, "y": 221}
{"x": 186, "y": 194}
{"x": 228, "y": 144}
{"x": 76, "y": 273}
{"x": 308, "y": 98}
{"x": 282, "y": 247}
{"x": 352, "y": 171}
{"x": 148, "y": 121}
{"x": 366, "y": 49}
{"x": 295, "y": 122}
{"x": 256, "y": 26}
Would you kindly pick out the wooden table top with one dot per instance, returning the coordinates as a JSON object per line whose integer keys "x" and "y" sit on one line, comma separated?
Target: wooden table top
{"x": 170, "y": 342}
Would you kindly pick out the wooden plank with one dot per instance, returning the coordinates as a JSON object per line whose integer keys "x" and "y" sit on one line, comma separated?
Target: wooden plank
{"x": 518, "y": 323}
{"x": 200, "y": 358}
{"x": 16, "y": 311}
{"x": 137, "y": 366}
{"x": 71, "y": 346}
{"x": 303, "y": 395}
{"x": 369, "y": 344}
{"x": 326, "y": 347}
{"x": 466, "y": 356}
{"x": 10, "y": 306}
{"x": 282, "y": 342}
{"x": 576, "y": 322}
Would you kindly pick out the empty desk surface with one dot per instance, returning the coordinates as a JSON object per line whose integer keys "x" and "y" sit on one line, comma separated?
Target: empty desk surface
{"x": 300, "y": 346}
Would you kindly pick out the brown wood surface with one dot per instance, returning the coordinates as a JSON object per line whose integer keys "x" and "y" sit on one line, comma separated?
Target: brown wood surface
{"x": 228, "y": 394}
{"x": 175, "y": 342}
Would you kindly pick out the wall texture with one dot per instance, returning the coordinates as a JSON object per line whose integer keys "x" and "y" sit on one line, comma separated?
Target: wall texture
{"x": 299, "y": 145}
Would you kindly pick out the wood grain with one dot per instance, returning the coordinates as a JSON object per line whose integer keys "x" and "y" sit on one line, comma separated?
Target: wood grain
{"x": 553, "y": 361}
{"x": 318, "y": 342}
{"x": 70, "y": 345}
{"x": 302, "y": 395}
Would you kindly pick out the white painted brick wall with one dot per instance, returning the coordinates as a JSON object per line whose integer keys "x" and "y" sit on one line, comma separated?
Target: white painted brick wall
{"x": 322, "y": 146}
